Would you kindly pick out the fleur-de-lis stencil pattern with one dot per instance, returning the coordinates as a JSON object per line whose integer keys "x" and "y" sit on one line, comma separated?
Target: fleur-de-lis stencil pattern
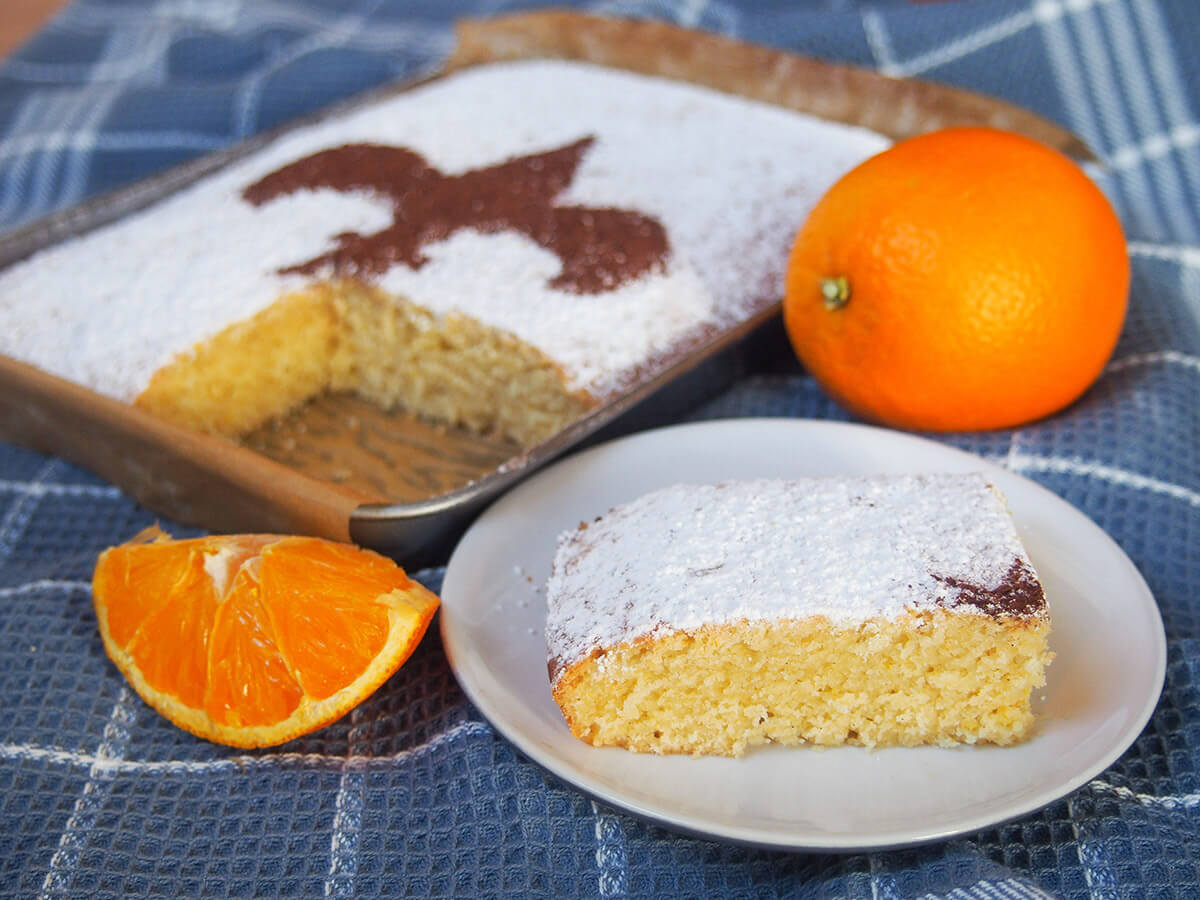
{"x": 600, "y": 248}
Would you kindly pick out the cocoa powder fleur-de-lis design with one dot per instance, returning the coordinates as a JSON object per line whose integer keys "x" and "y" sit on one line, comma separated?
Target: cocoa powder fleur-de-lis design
{"x": 600, "y": 248}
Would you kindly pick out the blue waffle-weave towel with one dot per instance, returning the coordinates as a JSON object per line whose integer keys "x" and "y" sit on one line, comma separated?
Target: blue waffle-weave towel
{"x": 414, "y": 794}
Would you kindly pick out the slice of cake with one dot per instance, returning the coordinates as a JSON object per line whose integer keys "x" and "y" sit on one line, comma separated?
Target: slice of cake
{"x": 501, "y": 248}
{"x": 884, "y": 611}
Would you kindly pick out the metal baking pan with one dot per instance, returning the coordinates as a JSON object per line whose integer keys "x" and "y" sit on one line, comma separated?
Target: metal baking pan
{"x": 344, "y": 469}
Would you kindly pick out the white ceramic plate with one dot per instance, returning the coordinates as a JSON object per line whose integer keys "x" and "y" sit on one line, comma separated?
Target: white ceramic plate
{"x": 1102, "y": 688}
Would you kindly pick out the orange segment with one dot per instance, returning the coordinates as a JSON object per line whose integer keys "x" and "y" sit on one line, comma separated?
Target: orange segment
{"x": 182, "y": 622}
{"x": 155, "y": 570}
{"x": 251, "y": 640}
{"x": 245, "y": 662}
{"x": 326, "y": 634}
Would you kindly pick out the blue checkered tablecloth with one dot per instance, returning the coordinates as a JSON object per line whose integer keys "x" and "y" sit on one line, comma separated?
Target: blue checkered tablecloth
{"x": 414, "y": 793}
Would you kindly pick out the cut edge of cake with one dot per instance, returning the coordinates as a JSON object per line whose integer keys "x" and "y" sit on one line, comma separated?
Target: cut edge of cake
{"x": 685, "y": 691}
{"x": 348, "y": 336}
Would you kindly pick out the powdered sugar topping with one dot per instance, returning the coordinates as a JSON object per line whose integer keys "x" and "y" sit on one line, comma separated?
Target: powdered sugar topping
{"x": 730, "y": 180}
{"x": 847, "y": 548}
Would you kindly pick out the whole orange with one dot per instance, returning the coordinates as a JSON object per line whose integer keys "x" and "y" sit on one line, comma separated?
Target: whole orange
{"x": 965, "y": 279}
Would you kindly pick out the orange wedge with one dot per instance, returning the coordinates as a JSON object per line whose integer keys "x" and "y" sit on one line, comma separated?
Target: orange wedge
{"x": 252, "y": 640}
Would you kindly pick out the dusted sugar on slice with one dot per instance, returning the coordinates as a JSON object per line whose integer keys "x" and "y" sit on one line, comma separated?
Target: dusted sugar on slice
{"x": 883, "y": 611}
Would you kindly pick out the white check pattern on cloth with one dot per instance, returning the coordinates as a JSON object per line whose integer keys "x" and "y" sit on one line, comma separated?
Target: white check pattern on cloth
{"x": 106, "y": 799}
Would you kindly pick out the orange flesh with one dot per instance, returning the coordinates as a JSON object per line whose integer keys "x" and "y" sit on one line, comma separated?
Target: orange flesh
{"x": 181, "y": 623}
{"x": 155, "y": 573}
{"x": 326, "y": 643}
{"x": 245, "y": 661}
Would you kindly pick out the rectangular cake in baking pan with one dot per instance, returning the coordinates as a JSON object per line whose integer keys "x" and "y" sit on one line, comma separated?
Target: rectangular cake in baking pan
{"x": 501, "y": 248}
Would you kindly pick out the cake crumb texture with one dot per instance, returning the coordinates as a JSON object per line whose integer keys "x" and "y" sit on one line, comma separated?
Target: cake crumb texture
{"x": 934, "y": 677}
{"x": 348, "y": 336}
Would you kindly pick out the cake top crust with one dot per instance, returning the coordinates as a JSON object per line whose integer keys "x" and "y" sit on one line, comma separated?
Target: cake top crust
{"x": 845, "y": 548}
{"x": 729, "y": 181}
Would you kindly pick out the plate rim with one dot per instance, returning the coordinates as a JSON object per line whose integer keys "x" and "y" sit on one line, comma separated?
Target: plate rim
{"x": 776, "y": 839}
